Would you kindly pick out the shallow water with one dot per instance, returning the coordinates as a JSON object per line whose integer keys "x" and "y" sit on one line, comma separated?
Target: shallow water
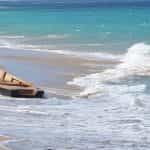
{"x": 116, "y": 116}
{"x": 118, "y": 123}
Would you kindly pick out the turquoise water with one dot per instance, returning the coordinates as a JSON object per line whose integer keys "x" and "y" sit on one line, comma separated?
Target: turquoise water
{"x": 88, "y": 29}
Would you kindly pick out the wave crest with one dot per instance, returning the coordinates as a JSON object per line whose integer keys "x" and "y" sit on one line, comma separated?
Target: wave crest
{"x": 135, "y": 62}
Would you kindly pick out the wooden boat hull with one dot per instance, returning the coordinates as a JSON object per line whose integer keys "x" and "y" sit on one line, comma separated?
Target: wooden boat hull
{"x": 21, "y": 92}
{"x": 11, "y": 85}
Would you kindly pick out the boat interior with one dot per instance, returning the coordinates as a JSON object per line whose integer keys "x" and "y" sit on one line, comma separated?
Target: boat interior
{"x": 11, "y": 80}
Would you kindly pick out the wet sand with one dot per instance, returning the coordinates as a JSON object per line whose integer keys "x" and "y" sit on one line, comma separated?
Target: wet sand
{"x": 59, "y": 69}
{"x": 3, "y": 139}
{"x": 55, "y": 69}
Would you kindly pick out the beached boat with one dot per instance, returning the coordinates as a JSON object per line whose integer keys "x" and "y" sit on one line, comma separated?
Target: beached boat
{"x": 12, "y": 86}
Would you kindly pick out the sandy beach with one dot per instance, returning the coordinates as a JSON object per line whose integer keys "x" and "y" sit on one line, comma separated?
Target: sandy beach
{"x": 3, "y": 139}
{"x": 54, "y": 70}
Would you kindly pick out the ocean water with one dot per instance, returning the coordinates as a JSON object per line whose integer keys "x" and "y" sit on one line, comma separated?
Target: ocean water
{"x": 112, "y": 110}
{"x": 78, "y": 29}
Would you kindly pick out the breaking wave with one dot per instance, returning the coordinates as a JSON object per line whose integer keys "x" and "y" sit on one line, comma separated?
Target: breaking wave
{"x": 136, "y": 62}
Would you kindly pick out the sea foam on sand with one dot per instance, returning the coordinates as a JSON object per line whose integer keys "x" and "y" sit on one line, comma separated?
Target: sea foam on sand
{"x": 136, "y": 62}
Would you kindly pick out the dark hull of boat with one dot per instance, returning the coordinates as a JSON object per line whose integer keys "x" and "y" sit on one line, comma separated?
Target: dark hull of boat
{"x": 21, "y": 92}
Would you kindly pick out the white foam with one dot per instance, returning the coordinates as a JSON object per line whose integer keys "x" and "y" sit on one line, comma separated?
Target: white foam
{"x": 90, "y": 55}
{"x": 12, "y": 37}
{"x": 11, "y": 43}
{"x": 57, "y": 36}
{"x": 23, "y": 109}
{"x": 135, "y": 62}
{"x": 5, "y": 44}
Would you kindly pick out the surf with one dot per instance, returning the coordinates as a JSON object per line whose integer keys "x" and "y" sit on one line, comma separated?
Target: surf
{"x": 136, "y": 62}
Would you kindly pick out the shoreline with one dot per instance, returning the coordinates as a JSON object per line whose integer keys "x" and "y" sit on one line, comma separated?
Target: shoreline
{"x": 51, "y": 71}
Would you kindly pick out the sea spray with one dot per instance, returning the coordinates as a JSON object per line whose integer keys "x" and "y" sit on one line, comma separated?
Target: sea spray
{"x": 135, "y": 62}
